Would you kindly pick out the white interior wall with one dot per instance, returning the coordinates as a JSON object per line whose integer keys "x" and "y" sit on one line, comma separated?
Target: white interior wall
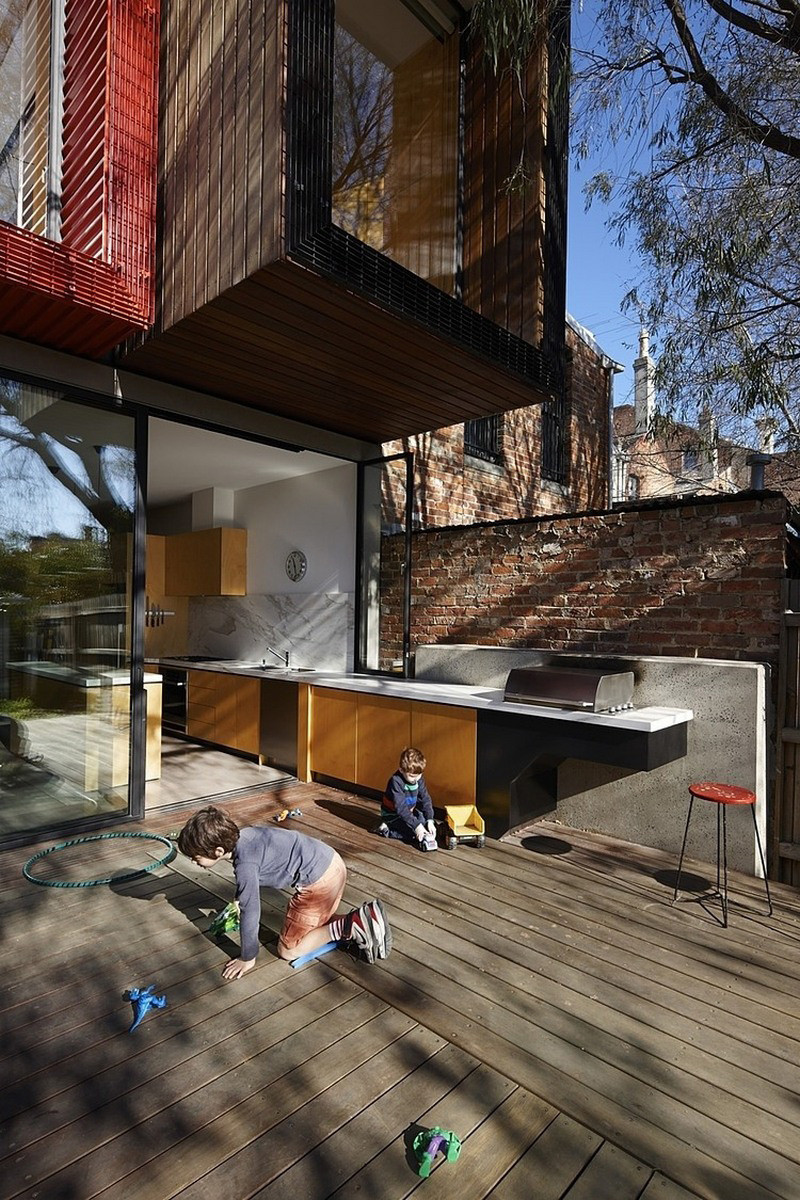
{"x": 315, "y": 513}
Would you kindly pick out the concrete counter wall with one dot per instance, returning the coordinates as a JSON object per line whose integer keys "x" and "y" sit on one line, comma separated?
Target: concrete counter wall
{"x": 727, "y": 742}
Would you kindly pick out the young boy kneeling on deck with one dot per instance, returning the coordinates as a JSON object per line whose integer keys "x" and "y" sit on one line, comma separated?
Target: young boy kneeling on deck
{"x": 264, "y": 856}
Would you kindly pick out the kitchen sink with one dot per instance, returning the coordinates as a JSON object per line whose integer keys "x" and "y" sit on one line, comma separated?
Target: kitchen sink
{"x": 244, "y": 664}
{"x": 249, "y": 665}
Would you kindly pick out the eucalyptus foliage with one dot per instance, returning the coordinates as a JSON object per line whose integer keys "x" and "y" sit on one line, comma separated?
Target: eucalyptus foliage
{"x": 708, "y": 96}
{"x": 510, "y": 30}
{"x": 701, "y": 100}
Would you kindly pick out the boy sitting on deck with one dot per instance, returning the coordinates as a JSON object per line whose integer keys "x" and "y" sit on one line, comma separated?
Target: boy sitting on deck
{"x": 264, "y": 856}
{"x": 406, "y": 807}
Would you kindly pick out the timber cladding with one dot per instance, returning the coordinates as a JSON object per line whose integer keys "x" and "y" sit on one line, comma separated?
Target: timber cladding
{"x": 692, "y": 578}
{"x": 504, "y": 220}
{"x": 270, "y": 304}
{"x": 221, "y": 148}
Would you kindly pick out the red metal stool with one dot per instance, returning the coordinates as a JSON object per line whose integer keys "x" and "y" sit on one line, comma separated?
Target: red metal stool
{"x": 722, "y": 794}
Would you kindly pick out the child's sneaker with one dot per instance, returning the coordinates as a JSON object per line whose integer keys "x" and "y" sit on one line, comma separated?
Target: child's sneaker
{"x": 382, "y": 830}
{"x": 369, "y": 931}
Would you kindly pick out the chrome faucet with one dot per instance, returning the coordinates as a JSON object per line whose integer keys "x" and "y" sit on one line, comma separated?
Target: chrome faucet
{"x": 284, "y": 658}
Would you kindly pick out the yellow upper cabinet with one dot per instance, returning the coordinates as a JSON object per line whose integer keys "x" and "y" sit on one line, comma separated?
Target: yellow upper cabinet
{"x": 155, "y": 565}
{"x": 206, "y": 562}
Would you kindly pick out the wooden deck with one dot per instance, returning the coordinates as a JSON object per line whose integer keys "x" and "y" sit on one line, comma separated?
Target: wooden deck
{"x": 585, "y": 1039}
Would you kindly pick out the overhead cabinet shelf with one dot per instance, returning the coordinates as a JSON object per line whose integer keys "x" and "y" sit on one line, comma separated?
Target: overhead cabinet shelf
{"x": 206, "y": 562}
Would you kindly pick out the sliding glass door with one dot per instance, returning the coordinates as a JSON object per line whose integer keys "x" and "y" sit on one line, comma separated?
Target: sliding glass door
{"x": 383, "y": 557}
{"x": 67, "y": 505}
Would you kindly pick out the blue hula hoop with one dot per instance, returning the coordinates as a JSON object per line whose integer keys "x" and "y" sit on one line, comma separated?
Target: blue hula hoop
{"x": 98, "y": 837}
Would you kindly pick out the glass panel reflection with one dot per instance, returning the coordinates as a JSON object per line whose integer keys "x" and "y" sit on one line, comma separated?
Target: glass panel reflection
{"x": 67, "y": 490}
{"x": 395, "y": 136}
{"x": 31, "y": 86}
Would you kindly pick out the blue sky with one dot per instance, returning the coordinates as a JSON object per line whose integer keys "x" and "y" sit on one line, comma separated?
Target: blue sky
{"x": 599, "y": 273}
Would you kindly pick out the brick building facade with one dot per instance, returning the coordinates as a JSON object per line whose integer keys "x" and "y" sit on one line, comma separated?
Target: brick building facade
{"x": 454, "y": 487}
{"x": 680, "y": 578}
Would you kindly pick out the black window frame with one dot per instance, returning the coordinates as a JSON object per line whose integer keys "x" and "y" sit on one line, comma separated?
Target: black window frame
{"x": 483, "y": 438}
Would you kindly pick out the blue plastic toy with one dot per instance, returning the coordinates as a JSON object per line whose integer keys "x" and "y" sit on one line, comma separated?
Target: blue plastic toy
{"x": 143, "y": 999}
{"x": 305, "y": 958}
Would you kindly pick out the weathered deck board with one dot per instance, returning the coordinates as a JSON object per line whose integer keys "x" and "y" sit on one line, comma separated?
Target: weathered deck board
{"x": 552, "y": 1164}
{"x": 582, "y": 1036}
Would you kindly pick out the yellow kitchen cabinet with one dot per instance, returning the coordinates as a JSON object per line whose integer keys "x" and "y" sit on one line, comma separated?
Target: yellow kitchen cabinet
{"x": 201, "y": 706}
{"x": 384, "y": 729}
{"x": 206, "y": 562}
{"x": 448, "y": 737}
{"x": 224, "y": 709}
{"x": 357, "y": 737}
{"x": 333, "y": 733}
{"x": 166, "y": 628}
{"x": 243, "y": 712}
{"x": 155, "y": 565}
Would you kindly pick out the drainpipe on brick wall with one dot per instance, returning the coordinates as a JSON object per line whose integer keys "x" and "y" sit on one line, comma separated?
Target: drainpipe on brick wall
{"x": 611, "y": 369}
{"x": 644, "y": 388}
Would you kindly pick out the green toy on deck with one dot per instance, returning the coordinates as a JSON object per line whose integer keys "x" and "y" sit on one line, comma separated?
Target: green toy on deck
{"x": 430, "y": 1142}
{"x": 226, "y": 921}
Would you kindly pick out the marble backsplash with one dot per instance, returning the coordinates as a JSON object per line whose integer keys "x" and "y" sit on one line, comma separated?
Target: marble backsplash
{"x": 317, "y": 629}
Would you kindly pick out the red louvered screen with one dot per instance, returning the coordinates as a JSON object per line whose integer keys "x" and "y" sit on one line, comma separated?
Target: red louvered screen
{"x": 94, "y": 287}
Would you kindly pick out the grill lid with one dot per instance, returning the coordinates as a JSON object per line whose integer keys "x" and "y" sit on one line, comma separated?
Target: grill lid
{"x": 571, "y": 687}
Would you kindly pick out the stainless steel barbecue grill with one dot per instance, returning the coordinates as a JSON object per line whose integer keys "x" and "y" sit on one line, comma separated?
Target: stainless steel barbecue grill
{"x": 584, "y": 688}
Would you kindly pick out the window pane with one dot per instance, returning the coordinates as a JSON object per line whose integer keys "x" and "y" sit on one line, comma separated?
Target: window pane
{"x": 67, "y": 490}
{"x": 483, "y": 438}
{"x": 30, "y": 134}
{"x": 395, "y": 136}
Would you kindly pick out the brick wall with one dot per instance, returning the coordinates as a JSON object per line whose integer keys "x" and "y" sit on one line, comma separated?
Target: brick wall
{"x": 669, "y": 577}
{"x": 454, "y": 489}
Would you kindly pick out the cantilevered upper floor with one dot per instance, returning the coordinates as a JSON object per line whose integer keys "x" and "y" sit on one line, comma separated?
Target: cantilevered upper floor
{"x": 362, "y": 225}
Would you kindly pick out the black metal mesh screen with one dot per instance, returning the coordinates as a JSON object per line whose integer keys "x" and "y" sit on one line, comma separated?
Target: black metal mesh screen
{"x": 315, "y": 242}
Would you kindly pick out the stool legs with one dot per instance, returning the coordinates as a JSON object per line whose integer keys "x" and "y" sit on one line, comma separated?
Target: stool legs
{"x": 763, "y": 861}
{"x": 722, "y": 892}
{"x": 722, "y": 857}
{"x": 683, "y": 850}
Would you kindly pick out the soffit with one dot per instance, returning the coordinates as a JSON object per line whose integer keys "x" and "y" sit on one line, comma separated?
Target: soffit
{"x": 292, "y": 343}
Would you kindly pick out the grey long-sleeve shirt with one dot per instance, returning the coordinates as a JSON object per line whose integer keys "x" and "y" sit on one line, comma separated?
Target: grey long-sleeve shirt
{"x": 268, "y": 857}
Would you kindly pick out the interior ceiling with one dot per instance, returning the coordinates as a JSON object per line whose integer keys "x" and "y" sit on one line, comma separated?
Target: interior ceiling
{"x": 184, "y": 459}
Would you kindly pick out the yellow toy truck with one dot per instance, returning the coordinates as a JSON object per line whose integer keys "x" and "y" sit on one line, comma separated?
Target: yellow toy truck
{"x": 464, "y": 824}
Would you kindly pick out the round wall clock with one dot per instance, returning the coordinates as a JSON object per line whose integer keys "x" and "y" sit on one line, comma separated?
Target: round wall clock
{"x": 296, "y": 565}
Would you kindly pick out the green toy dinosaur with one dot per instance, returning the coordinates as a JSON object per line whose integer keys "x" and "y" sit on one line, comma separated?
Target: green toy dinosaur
{"x": 226, "y": 921}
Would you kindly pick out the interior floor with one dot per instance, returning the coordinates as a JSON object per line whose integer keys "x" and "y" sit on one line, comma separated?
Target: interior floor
{"x": 191, "y": 771}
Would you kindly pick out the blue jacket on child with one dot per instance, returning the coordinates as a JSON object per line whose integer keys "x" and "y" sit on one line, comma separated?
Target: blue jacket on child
{"x": 410, "y": 802}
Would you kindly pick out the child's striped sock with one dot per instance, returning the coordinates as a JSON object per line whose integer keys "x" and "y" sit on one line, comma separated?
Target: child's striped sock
{"x": 339, "y": 927}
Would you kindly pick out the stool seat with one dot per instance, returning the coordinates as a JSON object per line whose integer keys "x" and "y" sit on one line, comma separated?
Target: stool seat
{"x": 722, "y": 793}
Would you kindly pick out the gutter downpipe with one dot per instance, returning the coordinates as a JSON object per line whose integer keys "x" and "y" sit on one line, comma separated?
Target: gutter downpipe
{"x": 611, "y": 369}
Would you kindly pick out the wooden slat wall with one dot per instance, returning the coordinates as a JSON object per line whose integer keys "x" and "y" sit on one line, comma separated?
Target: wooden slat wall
{"x": 786, "y": 823}
{"x": 221, "y": 148}
{"x": 241, "y": 321}
{"x": 85, "y": 187}
{"x": 422, "y": 176}
{"x": 503, "y": 232}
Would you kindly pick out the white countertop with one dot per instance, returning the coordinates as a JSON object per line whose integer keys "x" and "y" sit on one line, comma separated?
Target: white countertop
{"x": 110, "y": 677}
{"x": 645, "y": 720}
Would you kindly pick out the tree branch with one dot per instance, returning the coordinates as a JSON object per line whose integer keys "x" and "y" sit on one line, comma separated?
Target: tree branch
{"x": 788, "y": 37}
{"x": 764, "y": 133}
